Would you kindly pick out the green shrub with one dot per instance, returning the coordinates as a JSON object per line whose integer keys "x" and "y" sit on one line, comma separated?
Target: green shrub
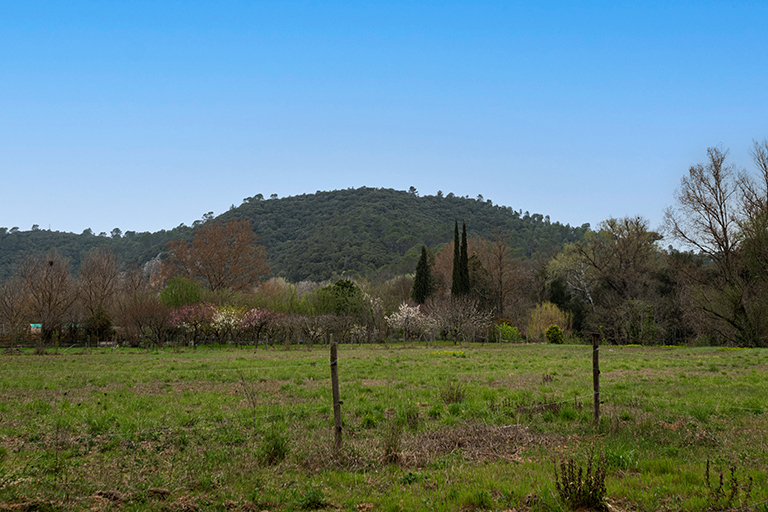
{"x": 554, "y": 335}
{"x": 509, "y": 333}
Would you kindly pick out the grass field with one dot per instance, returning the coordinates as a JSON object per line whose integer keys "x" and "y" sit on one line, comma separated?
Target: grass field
{"x": 441, "y": 429}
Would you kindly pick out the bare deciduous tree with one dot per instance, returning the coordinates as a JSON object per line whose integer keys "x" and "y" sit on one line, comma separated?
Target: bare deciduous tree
{"x": 721, "y": 214}
{"x": 222, "y": 256}
{"x": 14, "y": 308}
{"x": 98, "y": 281}
{"x": 51, "y": 290}
{"x": 706, "y": 216}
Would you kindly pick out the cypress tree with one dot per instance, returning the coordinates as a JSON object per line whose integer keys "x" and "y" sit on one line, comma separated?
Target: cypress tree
{"x": 422, "y": 281}
{"x": 464, "y": 262}
{"x": 456, "y": 282}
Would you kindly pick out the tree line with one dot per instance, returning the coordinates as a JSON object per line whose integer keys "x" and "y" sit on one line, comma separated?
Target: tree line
{"x": 617, "y": 280}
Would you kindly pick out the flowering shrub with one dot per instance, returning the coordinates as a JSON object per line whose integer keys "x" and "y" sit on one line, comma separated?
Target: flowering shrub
{"x": 257, "y": 320}
{"x": 408, "y": 319}
{"x": 194, "y": 319}
{"x": 226, "y": 321}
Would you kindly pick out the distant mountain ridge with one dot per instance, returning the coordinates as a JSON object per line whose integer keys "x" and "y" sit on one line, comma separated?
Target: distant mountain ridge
{"x": 326, "y": 234}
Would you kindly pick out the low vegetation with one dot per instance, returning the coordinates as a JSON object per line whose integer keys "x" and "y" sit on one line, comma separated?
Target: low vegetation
{"x": 445, "y": 428}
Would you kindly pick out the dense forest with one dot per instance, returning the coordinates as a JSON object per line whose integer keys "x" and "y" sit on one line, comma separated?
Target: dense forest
{"x": 354, "y": 232}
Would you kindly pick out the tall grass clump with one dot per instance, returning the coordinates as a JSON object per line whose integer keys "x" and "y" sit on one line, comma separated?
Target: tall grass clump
{"x": 453, "y": 392}
{"x": 391, "y": 441}
{"x": 578, "y": 488}
{"x": 274, "y": 447}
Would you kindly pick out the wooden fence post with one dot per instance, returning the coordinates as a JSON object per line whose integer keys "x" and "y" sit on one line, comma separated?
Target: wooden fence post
{"x": 336, "y": 402}
{"x": 596, "y": 375}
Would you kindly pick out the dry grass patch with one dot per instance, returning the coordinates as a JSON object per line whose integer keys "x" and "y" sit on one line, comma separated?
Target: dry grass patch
{"x": 475, "y": 442}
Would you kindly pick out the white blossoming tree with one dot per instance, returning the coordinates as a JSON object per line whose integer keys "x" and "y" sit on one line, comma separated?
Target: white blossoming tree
{"x": 407, "y": 319}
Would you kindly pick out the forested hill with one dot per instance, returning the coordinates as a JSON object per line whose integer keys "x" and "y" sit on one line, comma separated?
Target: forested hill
{"x": 130, "y": 247}
{"x": 319, "y": 236}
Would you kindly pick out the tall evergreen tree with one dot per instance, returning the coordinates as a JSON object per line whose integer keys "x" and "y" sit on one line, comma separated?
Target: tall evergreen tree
{"x": 464, "y": 263}
{"x": 460, "y": 284}
{"x": 456, "y": 281}
{"x": 423, "y": 285}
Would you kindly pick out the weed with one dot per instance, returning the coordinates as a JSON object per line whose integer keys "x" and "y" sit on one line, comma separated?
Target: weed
{"x": 479, "y": 500}
{"x": 724, "y": 494}
{"x": 621, "y": 458}
{"x": 368, "y": 421}
{"x": 412, "y": 478}
{"x": 273, "y": 448}
{"x": 409, "y": 416}
{"x": 391, "y": 442}
{"x": 435, "y": 411}
{"x": 312, "y": 499}
{"x": 453, "y": 392}
{"x": 579, "y": 488}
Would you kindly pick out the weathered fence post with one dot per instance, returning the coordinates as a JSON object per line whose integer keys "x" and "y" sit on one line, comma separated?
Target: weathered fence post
{"x": 596, "y": 375}
{"x": 336, "y": 402}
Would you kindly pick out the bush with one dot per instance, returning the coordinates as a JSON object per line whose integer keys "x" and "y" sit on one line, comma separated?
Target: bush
{"x": 554, "y": 335}
{"x": 544, "y": 315}
{"x": 509, "y": 333}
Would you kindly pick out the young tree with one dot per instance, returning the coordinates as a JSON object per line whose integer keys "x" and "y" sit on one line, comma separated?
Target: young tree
{"x": 502, "y": 270}
{"x": 408, "y": 319}
{"x": 140, "y": 312}
{"x": 460, "y": 318}
{"x": 221, "y": 256}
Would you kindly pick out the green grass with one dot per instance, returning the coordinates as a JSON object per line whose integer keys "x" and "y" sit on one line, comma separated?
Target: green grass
{"x": 244, "y": 430}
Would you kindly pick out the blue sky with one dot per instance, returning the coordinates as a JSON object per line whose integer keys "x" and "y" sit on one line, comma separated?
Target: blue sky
{"x": 145, "y": 115}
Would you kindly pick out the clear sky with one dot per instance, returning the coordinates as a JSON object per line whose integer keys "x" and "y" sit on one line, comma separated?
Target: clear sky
{"x": 145, "y": 115}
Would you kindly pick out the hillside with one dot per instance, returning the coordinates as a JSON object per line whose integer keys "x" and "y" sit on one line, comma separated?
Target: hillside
{"x": 319, "y": 236}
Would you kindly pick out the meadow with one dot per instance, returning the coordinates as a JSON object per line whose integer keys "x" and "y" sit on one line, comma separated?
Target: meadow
{"x": 444, "y": 428}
